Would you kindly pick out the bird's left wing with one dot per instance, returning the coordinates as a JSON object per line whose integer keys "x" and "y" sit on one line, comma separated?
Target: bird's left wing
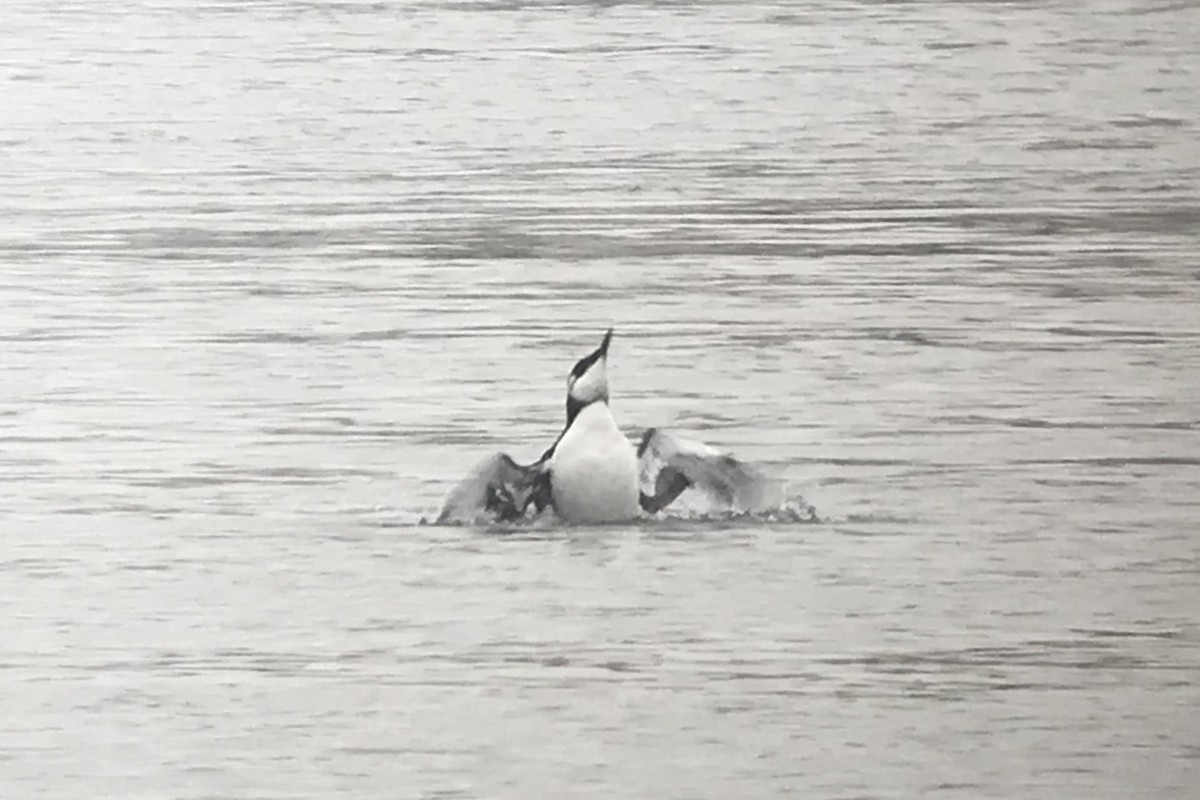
{"x": 670, "y": 464}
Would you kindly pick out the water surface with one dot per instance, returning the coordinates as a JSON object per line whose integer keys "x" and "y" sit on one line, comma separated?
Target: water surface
{"x": 275, "y": 274}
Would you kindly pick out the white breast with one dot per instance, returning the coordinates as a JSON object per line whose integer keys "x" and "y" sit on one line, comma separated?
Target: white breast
{"x": 594, "y": 471}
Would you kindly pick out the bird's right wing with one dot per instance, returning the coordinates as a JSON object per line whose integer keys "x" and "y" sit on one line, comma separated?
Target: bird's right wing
{"x": 498, "y": 489}
{"x": 670, "y": 464}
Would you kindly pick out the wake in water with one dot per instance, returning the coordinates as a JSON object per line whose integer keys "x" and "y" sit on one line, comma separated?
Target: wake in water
{"x": 699, "y": 482}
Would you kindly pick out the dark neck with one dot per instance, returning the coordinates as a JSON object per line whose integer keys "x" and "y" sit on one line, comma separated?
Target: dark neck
{"x": 575, "y": 406}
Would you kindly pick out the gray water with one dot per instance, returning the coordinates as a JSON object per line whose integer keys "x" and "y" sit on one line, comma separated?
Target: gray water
{"x": 275, "y": 274}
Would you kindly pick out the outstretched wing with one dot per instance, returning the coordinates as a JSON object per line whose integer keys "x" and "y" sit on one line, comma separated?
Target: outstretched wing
{"x": 671, "y": 464}
{"x": 498, "y": 489}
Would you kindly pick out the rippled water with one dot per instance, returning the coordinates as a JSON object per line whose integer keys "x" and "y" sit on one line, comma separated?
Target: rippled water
{"x": 274, "y": 274}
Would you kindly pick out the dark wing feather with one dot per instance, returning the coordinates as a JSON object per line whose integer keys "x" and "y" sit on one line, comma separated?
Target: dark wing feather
{"x": 669, "y": 484}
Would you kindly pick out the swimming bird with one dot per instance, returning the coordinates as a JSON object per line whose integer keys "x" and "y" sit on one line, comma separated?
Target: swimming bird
{"x": 594, "y": 474}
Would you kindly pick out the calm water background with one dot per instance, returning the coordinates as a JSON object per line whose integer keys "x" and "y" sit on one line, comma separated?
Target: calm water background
{"x": 274, "y": 274}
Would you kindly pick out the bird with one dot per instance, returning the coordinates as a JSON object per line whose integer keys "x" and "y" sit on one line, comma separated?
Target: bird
{"x": 594, "y": 474}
